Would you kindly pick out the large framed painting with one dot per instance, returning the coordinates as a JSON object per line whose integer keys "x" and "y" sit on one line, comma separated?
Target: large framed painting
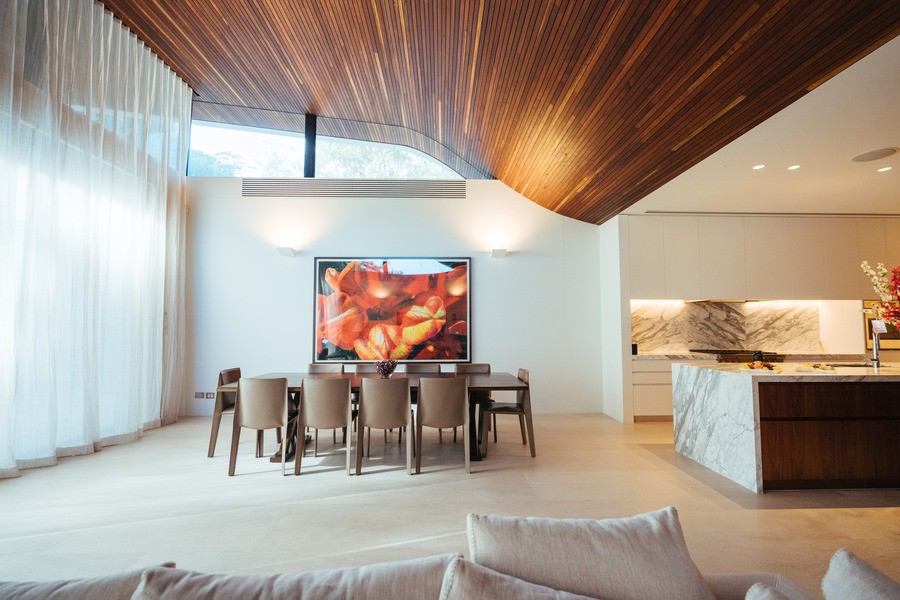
{"x": 889, "y": 340}
{"x": 407, "y": 309}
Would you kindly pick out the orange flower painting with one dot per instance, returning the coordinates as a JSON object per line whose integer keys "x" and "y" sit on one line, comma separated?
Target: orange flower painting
{"x": 408, "y": 309}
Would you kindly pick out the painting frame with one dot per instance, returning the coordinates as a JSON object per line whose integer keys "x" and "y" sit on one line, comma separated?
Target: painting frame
{"x": 889, "y": 340}
{"x": 412, "y": 309}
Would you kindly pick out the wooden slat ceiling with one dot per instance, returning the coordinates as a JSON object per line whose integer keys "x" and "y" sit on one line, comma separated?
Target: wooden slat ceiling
{"x": 584, "y": 107}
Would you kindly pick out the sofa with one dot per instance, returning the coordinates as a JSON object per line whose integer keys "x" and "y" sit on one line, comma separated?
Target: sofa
{"x": 634, "y": 558}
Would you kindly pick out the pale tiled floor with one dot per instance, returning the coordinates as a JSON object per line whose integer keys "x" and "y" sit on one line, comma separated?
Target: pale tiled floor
{"x": 162, "y": 499}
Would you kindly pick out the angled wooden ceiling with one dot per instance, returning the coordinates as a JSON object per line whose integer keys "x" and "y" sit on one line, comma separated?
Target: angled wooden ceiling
{"x": 584, "y": 107}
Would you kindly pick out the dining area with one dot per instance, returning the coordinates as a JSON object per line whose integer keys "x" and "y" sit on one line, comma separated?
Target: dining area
{"x": 410, "y": 405}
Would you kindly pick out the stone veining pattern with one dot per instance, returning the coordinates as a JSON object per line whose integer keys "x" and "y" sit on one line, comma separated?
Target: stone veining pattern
{"x": 716, "y": 422}
{"x": 769, "y": 326}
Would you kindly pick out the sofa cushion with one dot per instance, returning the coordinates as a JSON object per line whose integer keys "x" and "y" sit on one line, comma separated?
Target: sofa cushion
{"x": 412, "y": 579}
{"x": 850, "y": 577}
{"x": 642, "y": 557}
{"x": 110, "y": 587}
{"x": 464, "y": 580}
{"x": 734, "y": 586}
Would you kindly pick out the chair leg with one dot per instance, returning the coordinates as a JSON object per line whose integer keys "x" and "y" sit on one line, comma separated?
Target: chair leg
{"x": 419, "y": 449}
{"x": 235, "y": 440}
{"x": 454, "y": 434}
{"x": 494, "y": 423}
{"x": 522, "y": 428}
{"x": 278, "y": 437}
{"x": 214, "y": 434}
{"x": 260, "y": 443}
{"x": 360, "y": 438}
{"x": 530, "y": 425}
{"x": 440, "y": 436}
{"x": 466, "y": 448}
{"x": 484, "y": 434}
{"x": 316, "y": 443}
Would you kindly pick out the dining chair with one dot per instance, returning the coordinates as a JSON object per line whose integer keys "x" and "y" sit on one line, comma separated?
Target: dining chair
{"x": 478, "y": 398}
{"x": 260, "y": 404}
{"x": 521, "y": 407}
{"x": 384, "y": 404}
{"x": 427, "y": 369}
{"x": 328, "y": 368}
{"x": 443, "y": 403}
{"x": 224, "y": 405}
{"x": 324, "y": 404}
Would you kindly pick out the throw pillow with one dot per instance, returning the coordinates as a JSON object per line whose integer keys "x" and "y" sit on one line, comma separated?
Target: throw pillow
{"x": 112, "y": 587}
{"x": 464, "y": 580}
{"x": 762, "y": 591}
{"x": 850, "y": 577}
{"x": 642, "y": 557}
{"x": 407, "y": 579}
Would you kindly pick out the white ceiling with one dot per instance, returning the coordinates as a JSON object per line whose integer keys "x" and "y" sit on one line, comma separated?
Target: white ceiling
{"x": 856, "y": 111}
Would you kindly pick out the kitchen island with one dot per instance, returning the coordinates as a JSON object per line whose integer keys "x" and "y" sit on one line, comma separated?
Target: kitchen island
{"x": 791, "y": 429}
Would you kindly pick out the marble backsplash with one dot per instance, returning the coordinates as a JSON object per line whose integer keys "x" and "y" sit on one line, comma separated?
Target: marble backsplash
{"x": 776, "y": 326}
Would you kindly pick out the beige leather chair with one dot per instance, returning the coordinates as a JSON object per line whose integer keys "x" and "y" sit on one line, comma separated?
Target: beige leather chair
{"x": 260, "y": 404}
{"x": 480, "y": 398}
{"x": 521, "y": 407}
{"x": 224, "y": 405}
{"x": 427, "y": 369}
{"x": 442, "y": 403}
{"x": 324, "y": 404}
{"x": 328, "y": 368}
{"x": 384, "y": 404}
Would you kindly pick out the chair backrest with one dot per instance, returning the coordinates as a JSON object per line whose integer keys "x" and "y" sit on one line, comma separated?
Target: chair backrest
{"x": 325, "y": 403}
{"x": 261, "y": 402}
{"x": 383, "y": 403}
{"x": 484, "y": 368}
{"x": 419, "y": 368}
{"x": 325, "y": 368}
{"x": 229, "y": 376}
{"x": 521, "y": 396}
{"x": 443, "y": 402}
{"x": 366, "y": 368}
{"x": 225, "y": 377}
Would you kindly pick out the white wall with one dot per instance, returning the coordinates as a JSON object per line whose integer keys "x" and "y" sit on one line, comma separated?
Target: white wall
{"x": 249, "y": 307}
{"x": 841, "y": 327}
{"x": 616, "y": 318}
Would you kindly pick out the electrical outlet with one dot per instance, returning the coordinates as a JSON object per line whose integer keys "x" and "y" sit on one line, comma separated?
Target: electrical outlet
{"x": 198, "y": 395}
{"x": 210, "y": 395}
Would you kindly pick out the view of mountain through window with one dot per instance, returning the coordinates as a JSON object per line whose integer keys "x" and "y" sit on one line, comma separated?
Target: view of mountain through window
{"x": 234, "y": 151}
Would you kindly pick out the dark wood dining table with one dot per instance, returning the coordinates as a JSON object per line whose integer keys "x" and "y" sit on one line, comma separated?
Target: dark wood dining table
{"x": 478, "y": 382}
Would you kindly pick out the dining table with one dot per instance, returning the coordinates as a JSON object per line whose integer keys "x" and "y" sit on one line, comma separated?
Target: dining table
{"x": 496, "y": 381}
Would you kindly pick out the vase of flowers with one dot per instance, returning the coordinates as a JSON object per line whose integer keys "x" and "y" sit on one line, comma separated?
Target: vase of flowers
{"x": 386, "y": 367}
{"x": 887, "y": 285}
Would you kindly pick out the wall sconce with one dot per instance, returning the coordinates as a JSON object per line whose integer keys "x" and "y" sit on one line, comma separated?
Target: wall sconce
{"x": 287, "y": 251}
{"x": 498, "y": 252}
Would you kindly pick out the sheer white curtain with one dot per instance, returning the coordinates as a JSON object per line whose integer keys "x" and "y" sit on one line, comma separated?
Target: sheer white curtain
{"x": 93, "y": 147}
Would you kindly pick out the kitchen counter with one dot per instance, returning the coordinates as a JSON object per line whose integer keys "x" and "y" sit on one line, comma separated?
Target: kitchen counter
{"x": 768, "y": 430}
{"x": 788, "y": 357}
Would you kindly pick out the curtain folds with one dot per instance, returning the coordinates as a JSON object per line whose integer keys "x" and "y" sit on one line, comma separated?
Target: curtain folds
{"x": 93, "y": 148}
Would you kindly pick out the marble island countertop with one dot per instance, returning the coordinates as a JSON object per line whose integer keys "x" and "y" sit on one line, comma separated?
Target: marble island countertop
{"x": 788, "y": 356}
{"x": 794, "y": 372}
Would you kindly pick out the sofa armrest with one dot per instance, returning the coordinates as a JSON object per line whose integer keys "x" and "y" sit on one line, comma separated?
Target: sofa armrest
{"x": 734, "y": 586}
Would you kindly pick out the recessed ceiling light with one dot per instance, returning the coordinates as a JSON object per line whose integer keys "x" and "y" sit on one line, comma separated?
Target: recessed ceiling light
{"x": 758, "y": 167}
{"x": 883, "y": 169}
{"x": 793, "y": 167}
{"x": 875, "y": 154}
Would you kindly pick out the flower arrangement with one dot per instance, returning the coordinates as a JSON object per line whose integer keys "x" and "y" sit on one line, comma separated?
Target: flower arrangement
{"x": 887, "y": 286}
{"x": 386, "y": 367}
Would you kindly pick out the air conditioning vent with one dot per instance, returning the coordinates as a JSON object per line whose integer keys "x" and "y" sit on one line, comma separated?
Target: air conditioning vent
{"x": 353, "y": 188}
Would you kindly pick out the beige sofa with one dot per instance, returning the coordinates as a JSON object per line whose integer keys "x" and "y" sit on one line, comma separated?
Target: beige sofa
{"x": 641, "y": 557}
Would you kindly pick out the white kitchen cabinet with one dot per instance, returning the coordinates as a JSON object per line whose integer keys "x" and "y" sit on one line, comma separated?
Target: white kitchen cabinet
{"x": 784, "y": 258}
{"x": 872, "y": 248}
{"x": 682, "y": 257}
{"x": 651, "y": 387}
{"x": 723, "y": 271}
{"x": 646, "y": 251}
{"x": 841, "y": 257}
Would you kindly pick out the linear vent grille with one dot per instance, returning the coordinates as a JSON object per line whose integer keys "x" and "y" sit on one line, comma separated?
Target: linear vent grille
{"x": 354, "y": 188}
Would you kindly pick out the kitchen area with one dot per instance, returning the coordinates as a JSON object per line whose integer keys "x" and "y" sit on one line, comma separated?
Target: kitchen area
{"x": 699, "y": 295}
